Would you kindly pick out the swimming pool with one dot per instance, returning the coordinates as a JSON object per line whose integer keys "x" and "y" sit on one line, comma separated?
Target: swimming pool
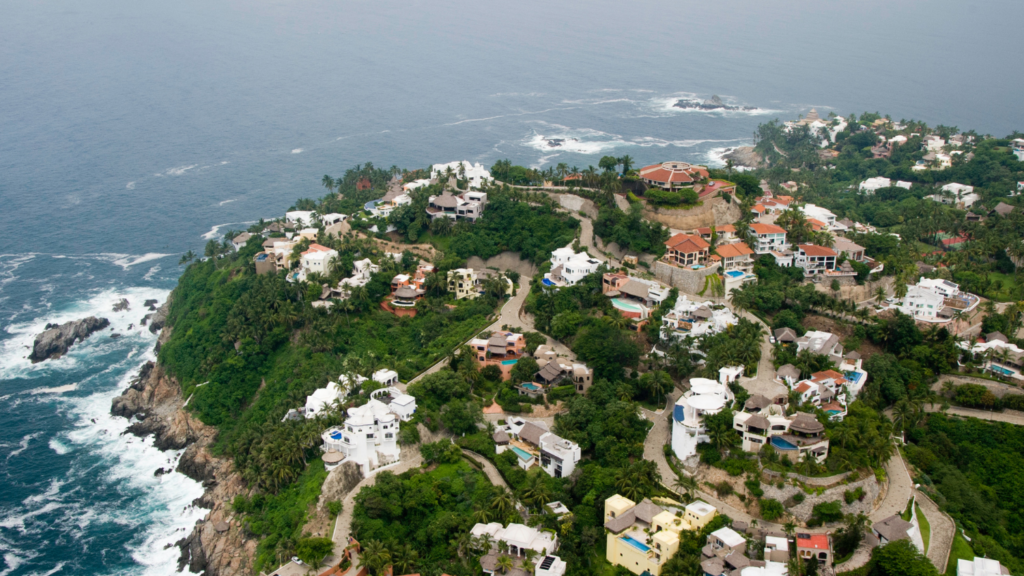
{"x": 625, "y": 305}
{"x": 547, "y": 282}
{"x": 1000, "y": 370}
{"x": 636, "y": 543}
{"x": 781, "y": 444}
{"x": 335, "y": 435}
{"x": 529, "y": 386}
{"x": 735, "y": 274}
{"x": 509, "y": 362}
{"x": 853, "y": 376}
{"x": 523, "y": 454}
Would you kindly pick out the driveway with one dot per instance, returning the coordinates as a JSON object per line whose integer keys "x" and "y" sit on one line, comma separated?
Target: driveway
{"x": 942, "y": 530}
{"x": 763, "y": 382}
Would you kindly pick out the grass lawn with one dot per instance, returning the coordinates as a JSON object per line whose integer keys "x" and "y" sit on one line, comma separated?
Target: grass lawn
{"x": 926, "y": 529}
{"x": 1005, "y": 283}
{"x": 960, "y": 549}
{"x": 906, "y": 513}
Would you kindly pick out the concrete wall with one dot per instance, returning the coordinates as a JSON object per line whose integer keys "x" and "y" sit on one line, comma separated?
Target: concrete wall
{"x": 713, "y": 212}
{"x": 688, "y": 281}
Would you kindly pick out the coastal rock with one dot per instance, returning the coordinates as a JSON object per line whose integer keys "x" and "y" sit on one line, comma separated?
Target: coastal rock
{"x": 121, "y": 305}
{"x": 151, "y": 303}
{"x": 712, "y": 104}
{"x": 55, "y": 341}
{"x": 744, "y": 156}
{"x": 159, "y": 318}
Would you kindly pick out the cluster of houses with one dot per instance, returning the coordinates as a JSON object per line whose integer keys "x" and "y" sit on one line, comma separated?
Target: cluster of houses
{"x": 1000, "y": 357}
{"x": 535, "y": 445}
{"x": 642, "y": 537}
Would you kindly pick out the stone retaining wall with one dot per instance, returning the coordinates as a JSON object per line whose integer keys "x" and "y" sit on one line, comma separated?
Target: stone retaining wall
{"x": 803, "y": 510}
{"x": 688, "y": 281}
{"x": 809, "y": 480}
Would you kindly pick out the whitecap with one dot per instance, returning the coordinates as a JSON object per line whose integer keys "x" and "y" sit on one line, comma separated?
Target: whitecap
{"x": 14, "y": 561}
{"x": 215, "y": 230}
{"x": 127, "y": 261}
{"x": 297, "y": 151}
{"x": 58, "y": 447}
{"x": 223, "y": 202}
{"x": 53, "y": 390}
{"x": 130, "y": 186}
{"x": 23, "y": 445}
{"x": 176, "y": 171}
{"x": 152, "y": 271}
{"x": 51, "y": 572}
{"x": 9, "y": 264}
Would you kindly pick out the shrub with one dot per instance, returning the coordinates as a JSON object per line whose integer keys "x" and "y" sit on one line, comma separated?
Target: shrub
{"x": 561, "y": 393}
{"x": 850, "y": 495}
{"x": 723, "y": 489}
{"x": 334, "y": 507}
{"x": 408, "y": 434}
{"x": 754, "y": 487}
{"x": 771, "y": 509}
{"x": 798, "y": 497}
{"x": 827, "y": 512}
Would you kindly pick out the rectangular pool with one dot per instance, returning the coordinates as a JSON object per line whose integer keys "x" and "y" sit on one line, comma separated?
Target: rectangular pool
{"x": 509, "y": 362}
{"x": 523, "y": 454}
{"x": 735, "y": 274}
{"x": 636, "y": 543}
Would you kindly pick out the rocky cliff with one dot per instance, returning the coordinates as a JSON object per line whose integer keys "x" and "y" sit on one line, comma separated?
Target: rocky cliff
{"x": 55, "y": 340}
{"x": 713, "y": 212}
{"x": 218, "y": 545}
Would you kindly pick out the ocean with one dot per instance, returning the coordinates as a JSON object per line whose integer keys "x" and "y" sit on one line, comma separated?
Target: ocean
{"x": 133, "y": 131}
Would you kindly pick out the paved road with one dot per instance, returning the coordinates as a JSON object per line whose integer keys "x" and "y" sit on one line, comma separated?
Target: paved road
{"x": 997, "y": 388}
{"x": 899, "y": 491}
{"x": 492, "y": 473}
{"x": 942, "y": 527}
{"x": 1008, "y": 416}
{"x": 764, "y": 382}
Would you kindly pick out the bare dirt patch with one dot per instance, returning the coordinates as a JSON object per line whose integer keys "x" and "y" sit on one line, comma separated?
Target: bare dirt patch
{"x": 844, "y": 330}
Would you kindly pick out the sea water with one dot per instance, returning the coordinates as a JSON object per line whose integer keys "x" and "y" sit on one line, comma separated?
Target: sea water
{"x": 132, "y": 131}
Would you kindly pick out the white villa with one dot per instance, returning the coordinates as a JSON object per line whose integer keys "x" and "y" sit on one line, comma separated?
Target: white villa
{"x": 477, "y": 174}
{"x": 935, "y": 300}
{"x": 466, "y": 206}
{"x": 791, "y": 436}
{"x": 568, "y": 267}
{"x": 870, "y": 185}
{"x": 819, "y": 213}
{"x": 961, "y": 196}
{"x": 519, "y": 538}
{"x": 769, "y": 238}
{"x": 238, "y": 242}
{"x": 1001, "y": 357}
{"x": 316, "y": 259}
{"x": 369, "y": 437}
{"x": 321, "y": 399}
{"x": 689, "y": 318}
{"x": 304, "y": 217}
{"x": 980, "y": 567}
{"x": 705, "y": 397}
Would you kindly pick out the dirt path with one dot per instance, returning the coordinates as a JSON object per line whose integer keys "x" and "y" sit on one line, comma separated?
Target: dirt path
{"x": 940, "y": 540}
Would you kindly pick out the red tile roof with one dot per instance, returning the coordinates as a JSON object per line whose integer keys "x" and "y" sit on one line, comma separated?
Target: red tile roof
{"x": 314, "y": 247}
{"x": 813, "y": 541}
{"x": 767, "y": 229}
{"x": 673, "y": 173}
{"x": 825, "y": 374}
{"x": 814, "y": 250}
{"x": 734, "y": 250}
{"x": 687, "y": 243}
{"x": 758, "y": 208}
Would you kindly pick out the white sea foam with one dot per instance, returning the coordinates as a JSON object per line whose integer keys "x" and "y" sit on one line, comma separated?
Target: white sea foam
{"x": 128, "y": 261}
{"x": 14, "y": 561}
{"x": 543, "y": 160}
{"x": 152, "y": 271}
{"x": 58, "y": 447}
{"x": 23, "y": 445}
{"x": 9, "y": 264}
{"x": 297, "y": 151}
{"x": 215, "y": 230}
{"x": 666, "y": 105}
{"x": 130, "y": 186}
{"x": 51, "y": 572}
{"x": 53, "y": 390}
{"x": 223, "y": 202}
{"x": 14, "y": 351}
{"x": 176, "y": 171}
{"x": 557, "y": 138}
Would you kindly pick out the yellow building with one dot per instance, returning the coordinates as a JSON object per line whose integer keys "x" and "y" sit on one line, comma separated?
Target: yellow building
{"x": 642, "y": 537}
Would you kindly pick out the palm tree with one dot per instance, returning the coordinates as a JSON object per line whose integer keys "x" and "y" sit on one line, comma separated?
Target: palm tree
{"x": 686, "y": 484}
{"x": 328, "y": 183}
{"x": 504, "y": 563}
{"x": 616, "y": 319}
{"x": 880, "y": 294}
{"x": 404, "y": 559}
{"x": 627, "y": 163}
{"x": 374, "y": 556}
{"x": 537, "y": 492}
{"x": 502, "y": 504}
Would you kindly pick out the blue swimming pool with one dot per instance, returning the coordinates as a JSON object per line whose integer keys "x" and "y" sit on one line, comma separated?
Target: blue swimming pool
{"x": 781, "y": 444}
{"x": 735, "y": 274}
{"x": 853, "y": 377}
{"x": 1000, "y": 370}
{"x": 371, "y": 204}
{"x": 509, "y": 362}
{"x": 523, "y": 454}
{"x": 529, "y": 386}
{"x": 636, "y": 543}
{"x": 335, "y": 435}
{"x": 547, "y": 282}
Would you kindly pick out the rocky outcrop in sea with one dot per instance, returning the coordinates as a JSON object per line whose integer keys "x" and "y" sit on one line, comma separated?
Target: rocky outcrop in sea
{"x": 714, "y": 103}
{"x": 55, "y": 341}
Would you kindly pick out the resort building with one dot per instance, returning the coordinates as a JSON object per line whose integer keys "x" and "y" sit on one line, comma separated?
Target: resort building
{"x": 1001, "y": 357}
{"x": 686, "y": 250}
{"x": 642, "y": 537}
{"x": 705, "y": 397}
{"x": 819, "y": 213}
{"x": 467, "y": 206}
{"x": 568, "y": 267}
{"x": 818, "y": 342}
{"x": 501, "y": 349}
{"x": 469, "y": 283}
{"x": 518, "y": 538}
{"x": 559, "y": 372}
{"x": 815, "y": 259}
{"x": 673, "y": 175}
{"x": 322, "y": 399}
{"x": 982, "y": 566}
{"x": 870, "y": 185}
{"x": 476, "y": 174}
{"x": 791, "y": 436}
{"x": 935, "y": 300}
{"x": 369, "y": 436}
{"x": 735, "y": 256}
{"x": 770, "y": 238}
{"x": 534, "y": 444}
{"x": 303, "y": 217}
{"x": 689, "y": 318}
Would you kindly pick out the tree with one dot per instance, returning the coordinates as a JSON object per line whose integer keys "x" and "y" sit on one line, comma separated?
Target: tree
{"x": 524, "y": 370}
{"x": 312, "y": 551}
{"x": 328, "y": 183}
{"x": 374, "y": 556}
{"x": 187, "y": 257}
{"x": 608, "y": 163}
{"x": 503, "y": 504}
{"x": 504, "y": 563}
{"x": 627, "y": 163}
{"x": 880, "y": 294}
{"x": 899, "y": 558}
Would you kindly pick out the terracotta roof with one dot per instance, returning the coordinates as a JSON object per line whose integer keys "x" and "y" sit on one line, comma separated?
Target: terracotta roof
{"x": 687, "y": 243}
{"x": 314, "y": 247}
{"x": 815, "y": 250}
{"x": 734, "y": 250}
{"x": 673, "y": 172}
{"x": 767, "y": 228}
{"x": 825, "y": 374}
{"x": 815, "y": 541}
{"x": 757, "y": 208}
